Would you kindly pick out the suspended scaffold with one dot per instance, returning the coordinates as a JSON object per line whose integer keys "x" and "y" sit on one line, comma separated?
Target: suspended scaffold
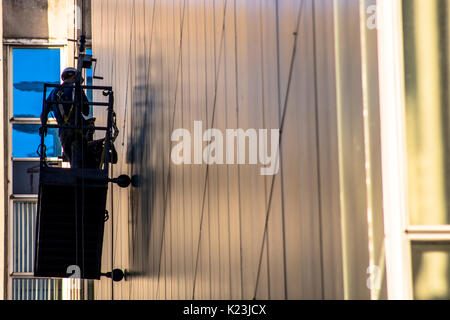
{"x": 72, "y": 199}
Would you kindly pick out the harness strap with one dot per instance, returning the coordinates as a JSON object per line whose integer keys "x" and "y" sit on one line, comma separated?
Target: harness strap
{"x": 66, "y": 117}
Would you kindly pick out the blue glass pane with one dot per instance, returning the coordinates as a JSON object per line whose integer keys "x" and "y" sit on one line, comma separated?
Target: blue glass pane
{"x": 89, "y": 80}
{"x": 31, "y": 69}
{"x": 26, "y": 140}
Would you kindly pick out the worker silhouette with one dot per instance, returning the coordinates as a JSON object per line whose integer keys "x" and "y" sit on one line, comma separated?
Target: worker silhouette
{"x": 74, "y": 141}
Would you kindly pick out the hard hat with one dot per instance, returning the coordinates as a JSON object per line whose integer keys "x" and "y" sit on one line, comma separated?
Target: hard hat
{"x": 68, "y": 72}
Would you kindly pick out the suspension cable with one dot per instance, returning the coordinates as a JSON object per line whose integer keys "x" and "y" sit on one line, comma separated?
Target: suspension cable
{"x": 207, "y": 166}
{"x": 167, "y": 189}
{"x": 283, "y": 117}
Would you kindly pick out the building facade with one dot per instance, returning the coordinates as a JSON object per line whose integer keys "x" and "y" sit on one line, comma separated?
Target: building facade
{"x": 36, "y": 47}
{"x": 314, "y": 230}
{"x": 334, "y": 188}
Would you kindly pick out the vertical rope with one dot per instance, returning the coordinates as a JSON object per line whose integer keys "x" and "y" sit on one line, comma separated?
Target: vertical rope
{"x": 283, "y": 117}
{"x": 169, "y": 171}
{"x": 319, "y": 188}
{"x": 207, "y": 166}
{"x": 82, "y": 16}
{"x": 74, "y": 29}
{"x": 263, "y": 107}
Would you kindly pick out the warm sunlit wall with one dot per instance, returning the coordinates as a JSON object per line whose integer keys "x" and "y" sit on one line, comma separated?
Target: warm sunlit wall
{"x": 196, "y": 232}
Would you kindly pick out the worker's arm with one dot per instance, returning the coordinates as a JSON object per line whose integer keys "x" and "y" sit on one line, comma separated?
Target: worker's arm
{"x": 44, "y": 117}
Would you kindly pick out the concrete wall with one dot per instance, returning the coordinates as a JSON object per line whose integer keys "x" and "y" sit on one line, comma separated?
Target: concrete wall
{"x": 25, "y": 19}
{"x": 45, "y": 19}
{"x": 198, "y": 231}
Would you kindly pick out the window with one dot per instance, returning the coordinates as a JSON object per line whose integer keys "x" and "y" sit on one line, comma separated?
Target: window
{"x": 30, "y": 69}
{"x": 427, "y": 117}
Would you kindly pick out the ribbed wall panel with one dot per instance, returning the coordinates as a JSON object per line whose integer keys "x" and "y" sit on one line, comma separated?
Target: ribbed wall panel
{"x": 198, "y": 231}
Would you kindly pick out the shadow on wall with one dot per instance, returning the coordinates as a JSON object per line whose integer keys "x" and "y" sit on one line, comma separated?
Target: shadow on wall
{"x": 145, "y": 157}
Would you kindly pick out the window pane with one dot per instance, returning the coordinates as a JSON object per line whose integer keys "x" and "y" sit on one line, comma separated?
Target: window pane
{"x": 26, "y": 141}
{"x": 89, "y": 75}
{"x": 31, "y": 69}
{"x": 25, "y": 177}
{"x": 426, "y": 34}
{"x": 36, "y": 289}
{"x": 431, "y": 270}
{"x": 24, "y": 236}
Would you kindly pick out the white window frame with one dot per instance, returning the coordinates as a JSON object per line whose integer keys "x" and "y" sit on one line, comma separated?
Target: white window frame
{"x": 9, "y": 121}
{"x": 393, "y": 141}
{"x": 399, "y": 234}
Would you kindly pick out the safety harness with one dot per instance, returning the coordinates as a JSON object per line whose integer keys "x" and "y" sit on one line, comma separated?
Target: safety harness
{"x": 59, "y": 98}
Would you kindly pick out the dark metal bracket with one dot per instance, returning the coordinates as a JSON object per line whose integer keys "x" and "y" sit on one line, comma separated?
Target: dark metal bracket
{"x": 116, "y": 275}
{"x": 122, "y": 181}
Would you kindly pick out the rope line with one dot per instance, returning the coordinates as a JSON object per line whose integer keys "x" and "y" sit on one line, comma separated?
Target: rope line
{"x": 236, "y": 72}
{"x": 207, "y": 166}
{"x": 74, "y": 29}
{"x": 286, "y": 100}
{"x": 147, "y": 74}
{"x": 113, "y": 58}
{"x": 113, "y": 74}
{"x": 149, "y": 63}
{"x": 263, "y": 107}
{"x": 169, "y": 171}
{"x": 283, "y": 218}
{"x": 133, "y": 25}
{"x": 319, "y": 188}
{"x": 114, "y": 237}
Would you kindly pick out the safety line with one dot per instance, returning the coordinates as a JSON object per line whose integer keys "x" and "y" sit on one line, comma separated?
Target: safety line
{"x": 283, "y": 216}
{"x": 81, "y": 98}
{"x": 228, "y": 170}
{"x": 147, "y": 69}
{"x": 169, "y": 171}
{"x": 207, "y": 166}
{"x": 263, "y": 107}
{"x": 133, "y": 25}
{"x": 183, "y": 176}
{"x": 217, "y": 179}
{"x": 236, "y": 69}
{"x": 113, "y": 58}
{"x": 82, "y": 16}
{"x": 114, "y": 236}
{"x": 74, "y": 29}
{"x": 149, "y": 59}
{"x": 319, "y": 183}
{"x": 112, "y": 231}
{"x": 148, "y": 72}
{"x": 294, "y": 51}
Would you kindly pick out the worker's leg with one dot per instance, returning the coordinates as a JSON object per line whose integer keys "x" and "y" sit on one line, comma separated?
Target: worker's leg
{"x": 81, "y": 157}
{"x": 66, "y": 139}
{"x": 77, "y": 159}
